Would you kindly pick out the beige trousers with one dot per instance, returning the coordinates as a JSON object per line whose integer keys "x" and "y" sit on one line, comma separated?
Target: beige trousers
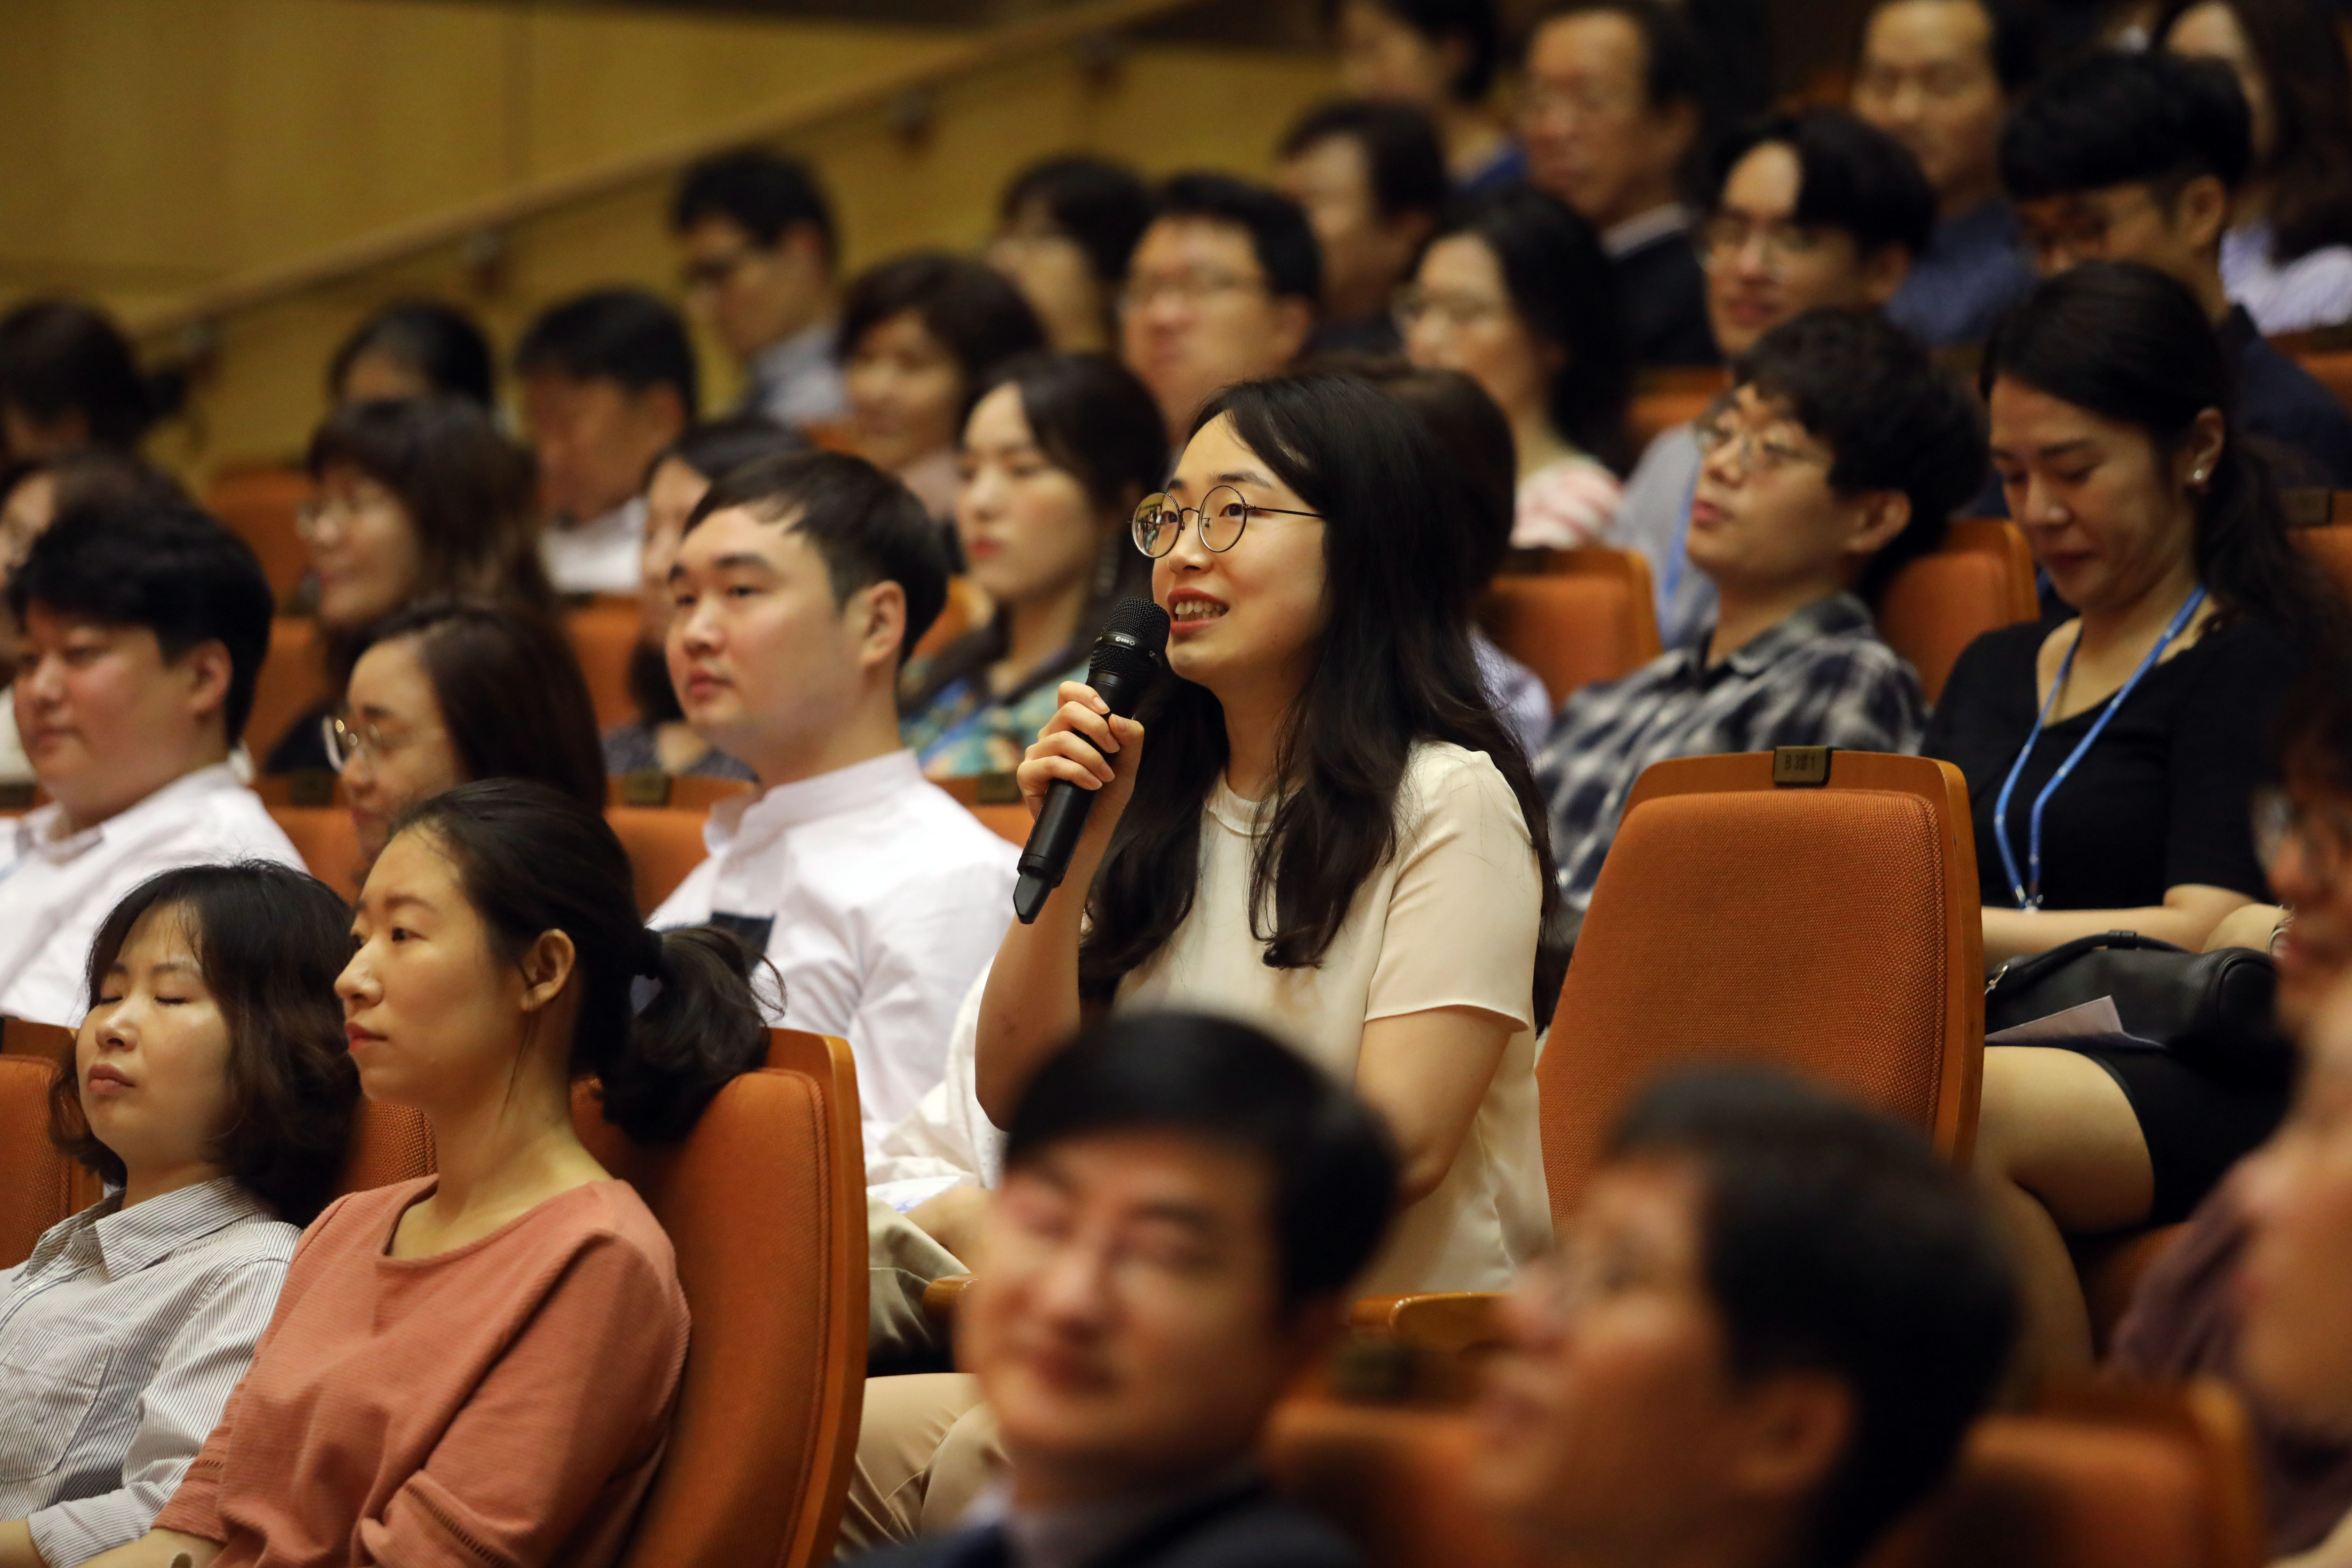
{"x": 926, "y": 1448}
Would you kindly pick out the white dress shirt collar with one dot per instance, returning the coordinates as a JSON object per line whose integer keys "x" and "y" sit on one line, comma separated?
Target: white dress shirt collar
{"x": 45, "y": 833}
{"x": 1621, "y": 239}
{"x": 789, "y": 805}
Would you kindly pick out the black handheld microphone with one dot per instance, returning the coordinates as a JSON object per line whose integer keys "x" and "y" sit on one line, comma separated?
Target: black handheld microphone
{"x": 1127, "y": 660}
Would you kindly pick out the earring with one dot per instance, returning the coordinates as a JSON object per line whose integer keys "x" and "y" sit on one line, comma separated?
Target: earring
{"x": 2198, "y": 477}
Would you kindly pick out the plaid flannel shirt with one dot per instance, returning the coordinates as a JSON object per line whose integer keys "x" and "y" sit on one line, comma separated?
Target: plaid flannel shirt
{"x": 1820, "y": 678}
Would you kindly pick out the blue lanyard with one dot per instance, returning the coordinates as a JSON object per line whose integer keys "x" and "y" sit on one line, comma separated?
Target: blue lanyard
{"x": 2027, "y": 890}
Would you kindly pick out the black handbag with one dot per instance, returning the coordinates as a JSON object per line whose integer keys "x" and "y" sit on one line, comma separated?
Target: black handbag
{"x": 2211, "y": 1009}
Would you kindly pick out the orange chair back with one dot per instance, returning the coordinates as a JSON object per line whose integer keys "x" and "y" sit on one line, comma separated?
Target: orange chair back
{"x": 1669, "y": 397}
{"x": 966, "y": 607}
{"x": 663, "y": 847}
{"x": 22, "y": 1038}
{"x": 1829, "y": 930}
{"x": 291, "y": 682}
{"x": 329, "y": 846}
{"x": 983, "y": 795}
{"x": 388, "y": 1144}
{"x": 37, "y": 1182}
{"x": 765, "y": 1205}
{"x": 1982, "y": 580}
{"x": 260, "y": 506}
{"x": 2332, "y": 370}
{"x": 603, "y": 634}
{"x": 1591, "y": 615}
{"x": 671, "y": 793}
{"x": 2330, "y": 550}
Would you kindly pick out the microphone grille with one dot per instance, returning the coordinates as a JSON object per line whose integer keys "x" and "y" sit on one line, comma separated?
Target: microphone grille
{"x": 1141, "y": 619}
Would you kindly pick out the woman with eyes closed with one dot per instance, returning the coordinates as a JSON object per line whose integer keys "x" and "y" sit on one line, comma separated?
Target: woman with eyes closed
{"x": 1317, "y": 822}
{"x": 2111, "y": 760}
{"x": 209, "y": 1088}
{"x": 478, "y": 1366}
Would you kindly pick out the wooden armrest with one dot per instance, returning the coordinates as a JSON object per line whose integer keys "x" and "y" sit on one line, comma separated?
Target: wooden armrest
{"x": 1448, "y": 1322}
{"x": 940, "y": 1296}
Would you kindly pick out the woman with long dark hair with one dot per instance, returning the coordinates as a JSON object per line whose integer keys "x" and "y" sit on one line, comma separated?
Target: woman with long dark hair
{"x": 1058, "y": 450}
{"x": 2111, "y": 761}
{"x": 1329, "y": 829}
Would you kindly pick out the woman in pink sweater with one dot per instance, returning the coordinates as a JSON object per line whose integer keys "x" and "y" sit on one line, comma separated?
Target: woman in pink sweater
{"x": 477, "y": 1367}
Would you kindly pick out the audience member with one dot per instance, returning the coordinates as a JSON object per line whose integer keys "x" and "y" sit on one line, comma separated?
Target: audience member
{"x": 143, "y": 628}
{"x": 413, "y": 347}
{"x": 1438, "y": 57}
{"x": 659, "y": 740}
{"x": 1065, "y": 231}
{"x": 761, "y": 250}
{"x": 2133, "y": 158}
{"x": 69, "y": 379}
{"x": 1332, "y": 832}
{"x": 444, "y": 694}
{"x": 481, "y": 1363}
{"x": 1771, "y": 1319}
{"x": 1610, "y": 115}
{"x": 1839, "y": 454}
{"x": 1517, "y": 293}
{"x": 210, "y": 1089}
{"x": 2287, "y": 254}
{"x": 608, "y": 383}
{"x": 418, "y": 500}
{"x": 1371, "y": 180}
{"x": 1938, "y": 76}
{"x": 1185, "y": 1205}
{"x": 2111, "y": 761}
{"x": 1224, "y": 286}
{"x": 1817, "y": 209}
{"x": 918, "y": 334}
{"x": 798, "y": 585}
{"x": 1059, "y": 451}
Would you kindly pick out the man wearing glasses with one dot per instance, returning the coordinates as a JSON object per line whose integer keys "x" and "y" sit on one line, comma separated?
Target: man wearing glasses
{"x": 1810, "y": 210}
{"x": 761, "y": 247}
{"x": 1838, "y": 456}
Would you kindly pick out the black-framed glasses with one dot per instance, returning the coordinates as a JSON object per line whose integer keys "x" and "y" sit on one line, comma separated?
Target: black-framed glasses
{"x": 1221, "y": 517}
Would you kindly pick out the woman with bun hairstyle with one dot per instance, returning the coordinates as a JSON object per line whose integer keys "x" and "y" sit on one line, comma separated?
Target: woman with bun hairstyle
{"x": 479, "y": 1365}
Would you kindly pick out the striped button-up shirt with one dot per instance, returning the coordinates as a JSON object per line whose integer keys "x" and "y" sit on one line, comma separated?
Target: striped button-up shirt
{"x": 120, "y": 1338}
{"x": 1820, "y": 678}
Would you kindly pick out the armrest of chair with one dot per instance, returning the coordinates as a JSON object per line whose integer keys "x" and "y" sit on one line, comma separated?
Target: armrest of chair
{"x": 940, "y": 1296}
{"x": 1447, "y": 1321}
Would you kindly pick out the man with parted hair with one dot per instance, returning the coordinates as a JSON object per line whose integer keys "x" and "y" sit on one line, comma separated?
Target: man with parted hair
{"x": 1372, "y": 179}
{"x": 761, "y": 251}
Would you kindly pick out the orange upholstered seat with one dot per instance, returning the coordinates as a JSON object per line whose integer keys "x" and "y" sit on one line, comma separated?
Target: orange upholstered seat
{"x": 965, "y": 609}
{"x": 1982, "y": 580}
{"x": 290, "y": 684}
{"x": 2330, "y": 550}
{"x": 37, "y": 1184}
{"x": 604, "y": 636}
{"x": 1667, "y": 397}
{"x": 388, "y": 1144}
{"x": 663, "y": 847}
{"x": 1591, "y": 615}
{"x": 260, "y": 506}
{"x": 329, "y": 846}
{"x": 2332, "y": 369}
{"x": 995, "y": 800}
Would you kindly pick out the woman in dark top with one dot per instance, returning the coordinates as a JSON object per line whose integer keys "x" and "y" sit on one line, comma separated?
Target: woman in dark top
{"x": 2136, "y": 731}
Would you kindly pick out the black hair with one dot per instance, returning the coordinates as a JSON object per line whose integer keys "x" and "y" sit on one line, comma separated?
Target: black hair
{"x": 1472, "y": 430}
{"x": 1564, "y": 287}
{"x": 160, "y": 564}
{"x": 2309, "y": 168}
{"x": 2110, "y": 118}
{"x": 1891, "y": 419}
{"x": 532, "y": 860}
{"x": 2014, "y": 44}
{"x": 97, "y": 475}
{"x": 623, "y": 335}
{"x": 1333, "y": 1169}
{"x": 715, "y": 447}
{"x": 1851, "y": 175}
{"x": 760, "y": 192}
{"x": 1103, "y": 206}
{"x": 1834, "y": 1239}
{"x": 869, "y": 527}
{"x": 1279, "y": 232}
{"x": 970, "y": 307}
{"x": 1392, "y": 667}
{"x": 2132, "y": 345}
{"x": 439, "y": 342}
{"x": 511, "y": 696}
{"x": 1474, "y": 22}
{"x": 1403, "y": 157}
{"x": 269, "y": 941}
{"x": 61, "y": 356}
{"x": 1094, "y": 421}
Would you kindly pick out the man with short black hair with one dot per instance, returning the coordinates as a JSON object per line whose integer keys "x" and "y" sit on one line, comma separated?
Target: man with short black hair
{"x": 799, "y": 585}
{"x": 608, "y": 383}
{"x": 1184, "y": 1205}
{"x": 1371, "y": 178}
{"x": 1610, "y": 114}
{"x": 144, "y": 626}
{"x": 760, "y": 252}
{"x": 2135, "y": 158}
{"x": 1938, "y": 76}
{"x": 1224, "y": 286}
{"x": 1773, "y": 1317}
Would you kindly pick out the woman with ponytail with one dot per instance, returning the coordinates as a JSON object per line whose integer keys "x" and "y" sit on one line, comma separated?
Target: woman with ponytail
{"x": 479, "y": 1365}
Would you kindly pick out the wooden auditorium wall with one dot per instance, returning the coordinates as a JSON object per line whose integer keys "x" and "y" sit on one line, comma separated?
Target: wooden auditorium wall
{"x": 156, "y": 146}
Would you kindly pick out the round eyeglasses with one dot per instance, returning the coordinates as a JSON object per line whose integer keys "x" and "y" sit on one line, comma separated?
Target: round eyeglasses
{"x": 1221, "y": 517}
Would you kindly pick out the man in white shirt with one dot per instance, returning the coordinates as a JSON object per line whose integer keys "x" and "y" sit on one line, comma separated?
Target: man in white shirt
{"x": 799, "y": 585}
{"x": 144, "y": 626}
{"x": 761, "y": 250}
{"x": 608, "y": 383}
